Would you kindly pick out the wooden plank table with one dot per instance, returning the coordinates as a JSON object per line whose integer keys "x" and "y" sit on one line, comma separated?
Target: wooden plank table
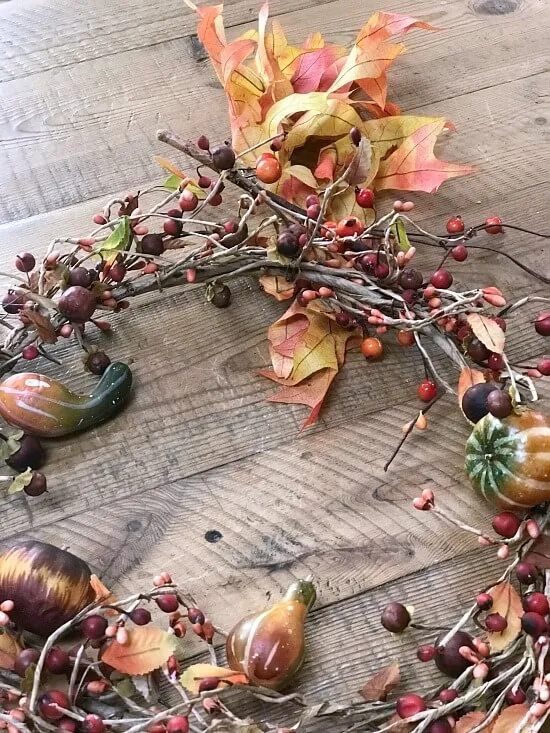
{"x": 83, "y": 88}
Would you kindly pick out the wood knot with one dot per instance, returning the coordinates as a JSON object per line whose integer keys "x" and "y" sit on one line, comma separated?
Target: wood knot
{"x": 495, "y": 7}
{"x": 196, "y": 49}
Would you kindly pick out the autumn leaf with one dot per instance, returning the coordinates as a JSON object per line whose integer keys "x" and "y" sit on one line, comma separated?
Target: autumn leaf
{"x": 147, "y": 649}
{"x": 382, "y": 25}
{"x": 42, "y": 325}
{"x": 380, "y": 684}
{"x": 279, "y": 287}
{"x": 487, "y": 331}
{"x": 468, "y": 377}
{"x": 539, "y": 554}
{"x": 359, "y": 169}
{"x": 312, "y": 392}
{"x": 506, "y": 602}
{"x": 211, "y": 33}
{"x": 414, "y": 167}
{"x": 309, "y": 69}
{"x": 344, "y": 204}
{"x": 20, "y": 481}
{"x": 509, "y": 720}
{"x": 192, "y": 676}
{"x": 9, "y": 649}
{"x": 102, "y": 593}
{"x": 369, "y": 61}
{"x": 469, "y": 721}
{"x": 388, "y": 133}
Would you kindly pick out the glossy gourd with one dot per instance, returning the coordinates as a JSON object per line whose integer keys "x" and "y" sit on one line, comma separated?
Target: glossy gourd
{"x": 508, "y": 460}
{"x": 44, "y": 406}
{"x": 269, "y": 646}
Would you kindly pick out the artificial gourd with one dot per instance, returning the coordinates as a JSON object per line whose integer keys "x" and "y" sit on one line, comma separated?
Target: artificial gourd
{"x": 508, "y": 460}
{"x": 44, "y": 406}
{"x": 48, "y": 585}
{"x": 269, "y": 646}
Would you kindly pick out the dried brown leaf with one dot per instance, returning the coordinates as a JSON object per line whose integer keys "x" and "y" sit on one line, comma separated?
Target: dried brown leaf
{"x": 9, "y": 649}
{"x": 279, "y": 287}
{"x": 147, "y": 649}
{"x": 380, "y": 684}
{"x": 509, "y": 720}
{"x": 487, "y": 331}
{"x": 42, "y": 324}
{"x": 507, "y": 602}
{"x": 469, "y": 721}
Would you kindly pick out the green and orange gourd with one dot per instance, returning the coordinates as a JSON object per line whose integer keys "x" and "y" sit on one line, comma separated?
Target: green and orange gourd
{"x": 508, "y": 460}
{"x": 269, "y": 646}
{"x": 44, "y": 406}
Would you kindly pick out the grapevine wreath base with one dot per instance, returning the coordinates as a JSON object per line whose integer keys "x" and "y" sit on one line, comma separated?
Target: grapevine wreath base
{"x": 88, "y": 662}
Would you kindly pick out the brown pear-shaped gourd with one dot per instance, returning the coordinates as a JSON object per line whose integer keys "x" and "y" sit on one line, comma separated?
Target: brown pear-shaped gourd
{"x": 269, "y": 646}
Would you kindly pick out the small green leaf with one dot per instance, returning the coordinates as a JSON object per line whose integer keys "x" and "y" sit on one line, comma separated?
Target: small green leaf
{"x": 119, "y": 239}
{"x": 20, "y": 481}
{"x": 172, "y": 183}
{"x": 27, "y": 683}
{"x": 126, "y": 688}
{"x": 11, "y": 445}
{"x": 400, "y": 233}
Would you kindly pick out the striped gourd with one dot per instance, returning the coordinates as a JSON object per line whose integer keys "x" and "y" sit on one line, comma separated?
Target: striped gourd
{"x": 508, "y": 461}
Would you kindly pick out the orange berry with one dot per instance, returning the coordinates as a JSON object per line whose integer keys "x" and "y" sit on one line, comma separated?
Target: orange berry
{"x": 405, "y": 338}
{"x": 268, "y": 170}
{"x": 371, "y": 347}
{"x": 349, "y": 226}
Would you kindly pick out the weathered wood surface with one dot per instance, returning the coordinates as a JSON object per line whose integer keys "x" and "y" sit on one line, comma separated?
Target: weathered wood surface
{"x": 82, "y": 91}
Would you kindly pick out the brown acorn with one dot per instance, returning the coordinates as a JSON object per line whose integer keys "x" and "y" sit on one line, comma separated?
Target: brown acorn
{"x": 269, "y": 646}
{"x": 47, "y": 585}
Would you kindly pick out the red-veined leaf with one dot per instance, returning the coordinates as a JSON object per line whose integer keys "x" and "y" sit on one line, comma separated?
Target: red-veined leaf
{"x": 382, "y": 25}
{"x": 487, "y": 331}
{"x": 310, "y": 67}
{"x": 414, "y": 167}
{"x": 388, "y": 133}
{"x": 311, "y": 392}
{"x": 147, "y": 649}
{"x": 233, "y": 55}
{"x": 369, "y": 61}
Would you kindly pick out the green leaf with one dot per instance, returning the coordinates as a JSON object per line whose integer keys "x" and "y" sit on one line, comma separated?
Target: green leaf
{"x": 27, "y": 682}
{"x": 126, "y": 688}
{"x": 400, "y": 233}
{"x": 20, "y": 481}
{"x": 11, "y": 445}
{"x": 172, "y": 183}
{"x": 119, "y": 239}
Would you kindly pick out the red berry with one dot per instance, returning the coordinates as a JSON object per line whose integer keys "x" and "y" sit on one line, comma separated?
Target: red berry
{"x": 12, "y": 303}
{"x": 484, "y": 601}
{"x": 499, "y": 321}
{"x": 442, "y": 279}
{"x": 440, "y": 726}
{"x": 167, "y": 603}
{"x": 30, "y": 352}
{"x": 495, "y": 362}
{"x": 174, "y": 214}
{"x": 448, "y": 695}
{"x": 216, "y": 199}
{"x": 426, "y": 652}
{"x": 411, "y": 279}
{"x": 527, "y": 573}
{"x": 459, "y": 253}
{"x": 355, "y": 135}
{"x": 276, "y": 144}
{"x": 409, "y": 705}
{"x": 533, "y": 624}
{"x": 94, "y": 626}
{"x": 204, "y": 181}
{"x": 25, "y": 262}
{"x": 455, "y": 225}
{"x": 544, "y": 367}
{"x": 343, "y": 319}
{"x": 448, "y": 658}
{"x": 195, "y": 616}
{"x": 287, "y": 244}
{"x": 37, "y": 486}
{"x": 140, "y": 616}
{"x": 542, "y": 324}
{"x": 493, "y": 225}
{"x": 395, "y": 617}
{"x": 81, "y": 276}
{"x": 188, "y": 200}
{"x": 382, "y": 270}
{"x": 152, "y": 244}
{"x": 203, "y": 143}
{"x": 495, "y": 622}
{"x": 68, "y": 725}
{"x": 48, "y": 704}
{"x": 57, "y": 660}
{"x": 172, "y": 228}
{"x": 268, "y": 170}
{"x": 349, "y": 226}
{"x": 177, "y": 724}
{"x": 223, "y": 157}
{"x": 24, "y": 659}
{"x": 77, "y": 304}
{"x": 506, "y": 524}
{"x": 117, "y": 273}
{"x": 537, "y": 603}
{"x": 208, "y": 683}
{"x": 92, "y": 724}
{"x": 364, "y": 197}
{"x": 313, "y": 211}
{"x": 515, "y": 697}
{"x": 427, "y": 390}
{"x": 478, "y": 351}
{"x": 312, "y": 200}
